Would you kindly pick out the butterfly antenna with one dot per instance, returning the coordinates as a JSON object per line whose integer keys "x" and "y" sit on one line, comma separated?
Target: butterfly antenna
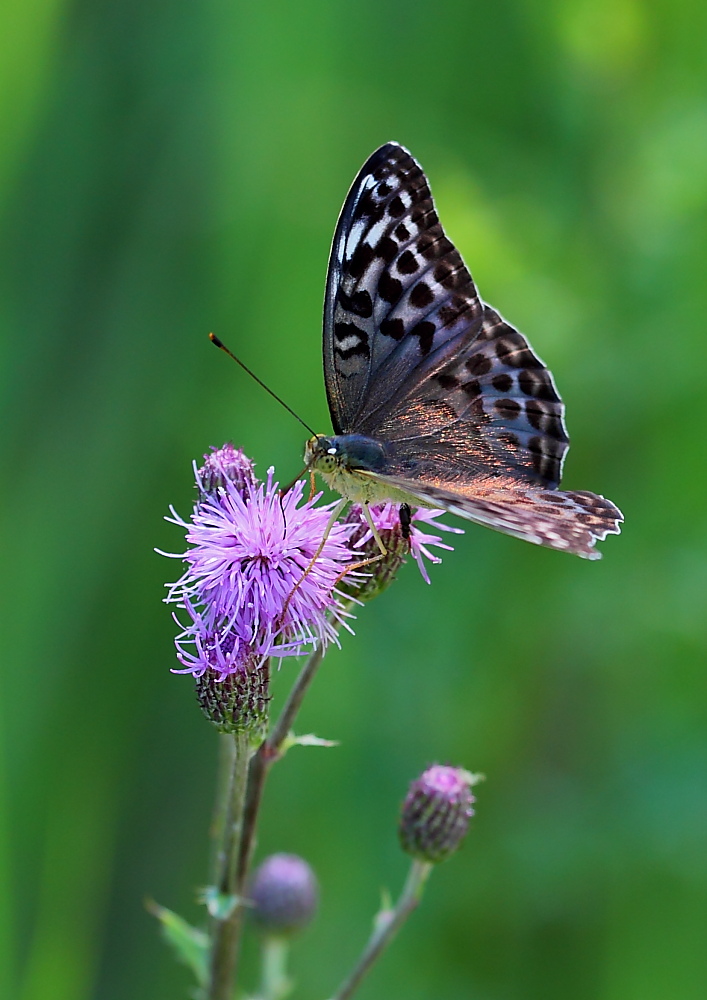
{"x": 214, "y": 340}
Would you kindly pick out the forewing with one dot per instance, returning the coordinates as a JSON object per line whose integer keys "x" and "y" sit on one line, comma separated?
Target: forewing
{"x": 413, "y": 358}
{"x": 569, "y": 521}
{"x": 493, "y": 408}
{"x": 399, "y": 298}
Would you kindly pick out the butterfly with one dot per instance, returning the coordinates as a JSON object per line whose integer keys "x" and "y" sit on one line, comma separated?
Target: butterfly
{"x": 437, "y": 401}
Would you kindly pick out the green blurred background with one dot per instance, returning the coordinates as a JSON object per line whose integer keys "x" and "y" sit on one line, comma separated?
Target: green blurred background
{"x": 167, "y": 169}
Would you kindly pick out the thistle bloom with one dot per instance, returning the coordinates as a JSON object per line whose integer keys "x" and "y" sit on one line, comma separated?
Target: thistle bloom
{"x": 245, "y": 589}
{"x": 436, "y": 812}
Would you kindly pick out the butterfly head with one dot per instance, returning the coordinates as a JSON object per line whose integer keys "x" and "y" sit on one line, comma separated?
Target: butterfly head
{"x": 321, "y": 453}
{"x": 327, "y": 454}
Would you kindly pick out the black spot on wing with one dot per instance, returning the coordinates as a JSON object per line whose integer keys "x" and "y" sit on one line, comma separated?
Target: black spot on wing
{"x": 387, "y": 249}
{"x": 407, "y": 263}
{"x": 359, "y": 263}
{"x": 538, "y": 383}
{"x": 421, "y": 295}
{"x": 478, "y": 364}
{"x": 507, "y": 409}
{"x": 425, "y": 332}
{"x": 359, "y": 303}
{"x": 351, "y": 341}
{"x": 389, "y": 288}
{"x": 394, "y": 328}
{"x": 502, "y": 382}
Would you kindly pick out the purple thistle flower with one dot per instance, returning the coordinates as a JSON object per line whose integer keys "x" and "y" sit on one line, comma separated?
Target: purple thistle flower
{"x": 244, "y": 588}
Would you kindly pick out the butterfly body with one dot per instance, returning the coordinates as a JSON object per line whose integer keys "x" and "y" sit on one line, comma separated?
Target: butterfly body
{"x": 351, "y": 464}
{"x": 435, "y": 399}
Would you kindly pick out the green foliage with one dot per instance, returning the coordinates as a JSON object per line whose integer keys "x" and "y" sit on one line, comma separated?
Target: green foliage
{"x": 170, "y": 169}
{"x": 190, "y": 945}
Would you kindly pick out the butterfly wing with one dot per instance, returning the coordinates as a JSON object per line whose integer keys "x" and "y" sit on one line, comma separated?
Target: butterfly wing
{"x": 398, "y": 294}
{"x": 492, "y": 409}
{"x": 412, "y": 356}
{"x": 569, "y": 521}
{"x": 468, "y": 414}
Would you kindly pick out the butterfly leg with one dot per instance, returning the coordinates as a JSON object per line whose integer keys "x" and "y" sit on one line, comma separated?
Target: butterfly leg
{"x": 374, "y": 531}
{"x": 330, "y": 524}
{"x": 371, "y": 559}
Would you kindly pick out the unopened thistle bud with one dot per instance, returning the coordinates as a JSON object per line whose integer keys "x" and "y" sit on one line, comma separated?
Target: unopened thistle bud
{"x": 225, "y": 465}
{"x": 436, "y": 812}
{"x": 283, "y": 894}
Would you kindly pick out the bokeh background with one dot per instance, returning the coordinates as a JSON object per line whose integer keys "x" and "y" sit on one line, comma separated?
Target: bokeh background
{"x": 170, "y": 168}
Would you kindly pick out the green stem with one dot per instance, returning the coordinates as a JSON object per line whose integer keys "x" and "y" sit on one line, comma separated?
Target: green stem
{"x": 387, "y": 926}
{"x": 226, "y": 929}
{"x": 226, "y": 762}
{"x": 299, "y": 689}
{"x": 275, "y": 983}
{"x": 269, "y": 752}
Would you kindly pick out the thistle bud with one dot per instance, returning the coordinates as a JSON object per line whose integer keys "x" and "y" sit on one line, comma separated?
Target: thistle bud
{"x": 283, "y": 894}
{"x": 436, "y": 812}
{"x": 237, "y": 702}
{"x": 402, "y": 532}
{"x": 225, "y": 465}
{"x": 378, "y": 576}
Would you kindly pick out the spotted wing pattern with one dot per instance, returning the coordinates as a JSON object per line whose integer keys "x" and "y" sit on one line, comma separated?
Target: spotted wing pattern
{"x": 492, "y": 409}
{"x": 569, "y": 521}
{"x": 398, "y": 294}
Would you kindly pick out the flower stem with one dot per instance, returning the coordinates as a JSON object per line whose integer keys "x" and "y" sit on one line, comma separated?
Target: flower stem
{"x": 387, "y": 926}
{"x": 275, "y": 982}
{"x": 224, "y": 775}
{"x": 268, "y": 753}
{"x": 294, "y": 700}
{"x": 226, "y": 928}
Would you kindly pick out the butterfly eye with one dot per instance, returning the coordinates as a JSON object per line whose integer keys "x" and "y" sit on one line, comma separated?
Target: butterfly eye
{"x": 331, "y": 451}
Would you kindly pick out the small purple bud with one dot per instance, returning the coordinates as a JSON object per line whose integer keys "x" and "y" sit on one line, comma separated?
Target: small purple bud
{"x": 284, "y": 894}
{"x": 436, "y": 812}
{"x": 237, "y": 702}
{"x": 225, "y": 465}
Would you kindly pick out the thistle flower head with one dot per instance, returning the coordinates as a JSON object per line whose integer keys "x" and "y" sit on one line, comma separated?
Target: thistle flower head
{"x": 398, "y": 541}
{"x": 284, "y": 894}
{"x": 250, "y": 588}
{"x": 435, "y": 814}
